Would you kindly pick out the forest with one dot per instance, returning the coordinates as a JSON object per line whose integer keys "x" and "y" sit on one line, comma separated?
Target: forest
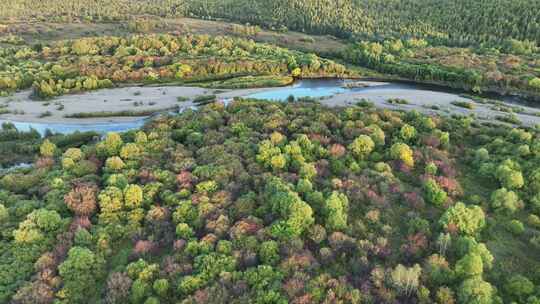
{"x": 442, "y": 42}
{"x": 86, "y": 64}
{"x": 262, "y": 202}
{"x": 271, "y": 202}
{"x": 448, "y": 22}
{"x": 458, "y": 22}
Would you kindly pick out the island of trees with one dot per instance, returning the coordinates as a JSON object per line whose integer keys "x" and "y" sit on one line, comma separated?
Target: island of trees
{"x": 266, "y": 202}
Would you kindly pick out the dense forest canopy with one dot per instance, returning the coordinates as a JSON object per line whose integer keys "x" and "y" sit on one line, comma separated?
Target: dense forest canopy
{"x": 457, "y": 22}
{"x": 460, "y": 22}
{"x": 92, "y": 63}
{"x": 262, "y": 202}
{"x": 95, "y": 10}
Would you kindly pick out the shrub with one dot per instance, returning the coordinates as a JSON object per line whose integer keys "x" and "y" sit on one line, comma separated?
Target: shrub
{"x": 463, "y": 104}
{"x": 397, "y": 101}
{"x": 204, "y": 99}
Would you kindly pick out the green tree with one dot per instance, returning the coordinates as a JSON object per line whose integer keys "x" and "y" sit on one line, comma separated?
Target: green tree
{"x": 445, "y": 295}
{"x": 362, "y": 146}
{"x": 294, "y": 214}
{"x": 509, "y": 175}
{"x": 519, "y": 287}
{"x": 161, "y": 287}
{"x": 111, "y": 145}
{"x": 434, "y": 193}
{"x": 80, "y": 273}
{"x": 269, "y": 252}
{"x": 130, "y": 151}
{"x": 407, "y": 132}
{"x": 535, "y": 83}
{"x": 515, "y": 227}
{"x": 402, "y": 152}
{"x": 140, "y": 289}
{"x": 336, "y": 210}
{"x": 133, "y": 196}
{"x": 47, "y": 148}
{"x": 475, "y": 291}
{"x": 467, "y": 220}
{"x": 505, "y": 201}
{"x": 183, "y": 231}
{"x": 84, "y": 47}
{"x": 4, "y": 214}
{"x": 37, "y": 226}
{"x": 470, "y": 265}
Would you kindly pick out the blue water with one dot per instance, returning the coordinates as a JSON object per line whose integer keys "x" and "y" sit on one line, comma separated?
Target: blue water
{"x": 307, "y": 88}
{"x": 15, "y": 167}
{"x": 310, "y": 88}
{"x": 72, "y": 128}
{"x": 314, "y": 88}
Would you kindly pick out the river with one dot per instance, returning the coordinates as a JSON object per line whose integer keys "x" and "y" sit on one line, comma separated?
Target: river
{"x": 332, "y": 92}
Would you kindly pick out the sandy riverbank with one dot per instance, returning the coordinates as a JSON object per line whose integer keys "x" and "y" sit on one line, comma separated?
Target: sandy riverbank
{"x": 137, "y": 99}
{"x": 159, "y": 98}
{"x": 425, "y": 100}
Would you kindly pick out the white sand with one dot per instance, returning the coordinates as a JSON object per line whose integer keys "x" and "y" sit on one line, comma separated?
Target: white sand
{"x": 108, "y": 100}
{"x": 422, "y": 100}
